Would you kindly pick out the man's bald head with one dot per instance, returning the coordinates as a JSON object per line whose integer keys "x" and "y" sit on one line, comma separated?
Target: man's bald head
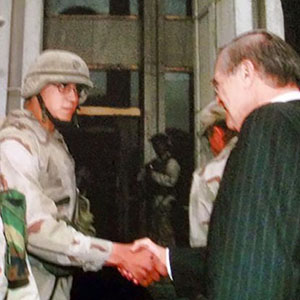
{"x": 277, "y": 63}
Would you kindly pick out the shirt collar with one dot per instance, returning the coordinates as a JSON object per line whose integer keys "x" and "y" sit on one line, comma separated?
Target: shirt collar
{"x": 290, "y": 96}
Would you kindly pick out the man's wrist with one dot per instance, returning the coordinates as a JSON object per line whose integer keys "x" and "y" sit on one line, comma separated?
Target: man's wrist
{"x": 116, "y": 258}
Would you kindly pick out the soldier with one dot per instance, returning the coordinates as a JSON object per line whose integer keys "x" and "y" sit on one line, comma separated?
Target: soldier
{"x": 35, "y": 161}
{"x": 206, "y": 179}
{"x": 163, "y": 173}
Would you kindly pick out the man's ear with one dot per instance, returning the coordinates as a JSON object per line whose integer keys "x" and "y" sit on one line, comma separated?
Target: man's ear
{"x": 247, "y": 71}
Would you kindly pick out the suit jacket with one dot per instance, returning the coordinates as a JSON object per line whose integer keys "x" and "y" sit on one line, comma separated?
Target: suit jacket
{"x": 253, "y": 249}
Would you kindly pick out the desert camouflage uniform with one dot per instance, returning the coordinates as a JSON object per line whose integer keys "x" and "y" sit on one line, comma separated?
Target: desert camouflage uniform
{"x": 203, "y": 192}
{"x": 38, "y": 164}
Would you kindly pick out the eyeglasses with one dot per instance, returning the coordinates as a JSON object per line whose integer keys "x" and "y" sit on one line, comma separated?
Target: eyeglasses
{"x": 67, "y": 87}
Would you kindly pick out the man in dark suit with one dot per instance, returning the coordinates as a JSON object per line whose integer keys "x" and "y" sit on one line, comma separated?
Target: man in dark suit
{"x": 253, "y": 249}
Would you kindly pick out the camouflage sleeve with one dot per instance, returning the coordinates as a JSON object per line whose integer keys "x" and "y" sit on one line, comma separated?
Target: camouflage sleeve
{"x": 48, "y": 238}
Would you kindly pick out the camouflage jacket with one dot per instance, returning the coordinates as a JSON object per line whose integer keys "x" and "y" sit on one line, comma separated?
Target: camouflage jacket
{"x": 38, "y": 164}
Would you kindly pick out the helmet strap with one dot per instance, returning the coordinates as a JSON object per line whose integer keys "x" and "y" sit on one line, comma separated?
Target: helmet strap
{"x": 75, "y": 118}
{"x": 45, "y": 112}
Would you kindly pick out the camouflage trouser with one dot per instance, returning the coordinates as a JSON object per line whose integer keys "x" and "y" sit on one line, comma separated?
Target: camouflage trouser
{"x": 162, "y": 231}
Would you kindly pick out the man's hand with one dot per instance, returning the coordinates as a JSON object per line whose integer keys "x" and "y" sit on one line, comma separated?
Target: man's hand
{"x": 158, "y": 251}
{"x": 138, "y": 266}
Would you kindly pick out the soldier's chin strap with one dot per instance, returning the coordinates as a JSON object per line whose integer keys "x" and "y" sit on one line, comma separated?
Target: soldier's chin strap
{"x": 57, "y": 123}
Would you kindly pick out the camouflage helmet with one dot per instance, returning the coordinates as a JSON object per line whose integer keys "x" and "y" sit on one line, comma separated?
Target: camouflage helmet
{"x": 211, "y": 114}
{"x": 54, "y": 66}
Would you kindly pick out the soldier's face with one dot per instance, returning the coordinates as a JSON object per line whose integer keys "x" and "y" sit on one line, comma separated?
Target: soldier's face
{"x": 217, "y": 139}
{"x": 61, "y": 100}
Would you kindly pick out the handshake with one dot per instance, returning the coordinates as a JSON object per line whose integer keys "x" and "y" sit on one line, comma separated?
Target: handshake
{"x": 141, "y": 262}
